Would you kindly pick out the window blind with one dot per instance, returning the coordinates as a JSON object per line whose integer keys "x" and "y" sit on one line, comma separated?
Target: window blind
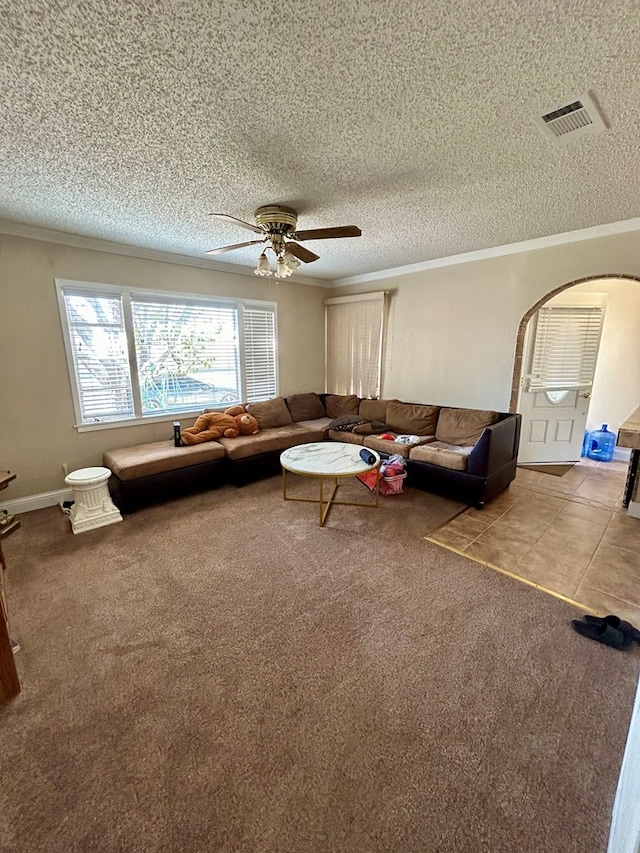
{"x": 187, "y": 354}
{"x": 100, "y": 360}
{"x": 259, "y": 353}
{"x": 354, "y": 332}
{"x": 134, "y": 354}
{"x": 565, "y": 348}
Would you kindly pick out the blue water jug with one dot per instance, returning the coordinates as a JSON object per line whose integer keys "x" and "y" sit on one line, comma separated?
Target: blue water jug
{"x": 585, "y": 443}
{"x": 601, "y": 444}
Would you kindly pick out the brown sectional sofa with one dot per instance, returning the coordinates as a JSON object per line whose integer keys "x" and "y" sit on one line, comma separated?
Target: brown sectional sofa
{"x": 467, "y": 453}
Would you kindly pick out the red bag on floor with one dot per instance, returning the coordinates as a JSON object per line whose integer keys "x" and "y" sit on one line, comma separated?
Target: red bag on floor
{"x": 370, "y": 478}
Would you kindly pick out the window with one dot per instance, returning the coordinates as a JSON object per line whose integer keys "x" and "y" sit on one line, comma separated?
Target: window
{"x": 134, "y": 354}
{"x": 565, "y": 348}
{"x": 354, "y": 333}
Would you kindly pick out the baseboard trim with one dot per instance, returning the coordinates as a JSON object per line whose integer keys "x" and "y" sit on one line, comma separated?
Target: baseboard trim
{"x": 41, "y": 501}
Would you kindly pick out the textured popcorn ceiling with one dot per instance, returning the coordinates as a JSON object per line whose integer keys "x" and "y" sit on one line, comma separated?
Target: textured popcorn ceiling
{"x": 130, "y": 120}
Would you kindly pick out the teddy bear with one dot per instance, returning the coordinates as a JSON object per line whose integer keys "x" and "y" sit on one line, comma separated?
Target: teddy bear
{"x": 246, "y": 423}
{"x": 232, "y": 422}
{"x": 208, "y": 426}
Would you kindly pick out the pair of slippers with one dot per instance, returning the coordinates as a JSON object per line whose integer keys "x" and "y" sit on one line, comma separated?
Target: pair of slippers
{"x": 610, "y": 630}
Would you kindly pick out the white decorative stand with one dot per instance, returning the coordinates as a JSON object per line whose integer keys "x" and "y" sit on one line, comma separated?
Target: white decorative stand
{"x": 92, "y": 506}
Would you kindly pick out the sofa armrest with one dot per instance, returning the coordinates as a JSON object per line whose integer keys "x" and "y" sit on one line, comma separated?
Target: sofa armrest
{"x": 497, "y": 446}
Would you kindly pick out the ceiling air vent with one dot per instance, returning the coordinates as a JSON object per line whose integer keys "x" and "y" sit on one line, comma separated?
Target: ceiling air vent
{"x": 578, "y": 117}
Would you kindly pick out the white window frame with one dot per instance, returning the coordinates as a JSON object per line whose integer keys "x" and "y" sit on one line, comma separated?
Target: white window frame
{"x": 110, "y": 290}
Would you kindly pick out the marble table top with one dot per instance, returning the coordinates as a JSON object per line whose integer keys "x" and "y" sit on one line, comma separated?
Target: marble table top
{"x": 327, "y": 458}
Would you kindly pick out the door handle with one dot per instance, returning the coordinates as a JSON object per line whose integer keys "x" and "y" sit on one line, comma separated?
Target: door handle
{"x": 586, "y": 394}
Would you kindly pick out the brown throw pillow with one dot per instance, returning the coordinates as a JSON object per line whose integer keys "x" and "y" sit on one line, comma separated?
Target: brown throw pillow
{"x": 270, "y": 413}
{"x": 305, "y": 407}
{"x": 411, "y": 418}
{"x": 463, "y": 427}
{"x": 341, "y": 404}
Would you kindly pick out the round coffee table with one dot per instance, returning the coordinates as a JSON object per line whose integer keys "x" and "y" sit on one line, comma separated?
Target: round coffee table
{"x": 327, "y": 460}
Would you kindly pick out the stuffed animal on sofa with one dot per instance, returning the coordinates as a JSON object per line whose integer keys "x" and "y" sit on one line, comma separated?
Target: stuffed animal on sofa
{"x": 232, "y": 422}
{"x": 246, "y": 423}
{"x": 209, "y": 426}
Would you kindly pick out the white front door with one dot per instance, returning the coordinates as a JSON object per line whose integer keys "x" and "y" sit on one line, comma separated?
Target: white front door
{"x": 552, "y": 432}
{"x": 561, "y": 352}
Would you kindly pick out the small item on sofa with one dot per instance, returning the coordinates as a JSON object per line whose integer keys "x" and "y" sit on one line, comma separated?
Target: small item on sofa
{"x": 346, "y": 423}
{"x": 408, "y": 439}
{"x": 386, "y": 436}
{"x": 177, "y": 440}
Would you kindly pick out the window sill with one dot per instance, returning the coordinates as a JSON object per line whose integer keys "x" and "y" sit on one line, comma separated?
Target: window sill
{"x": 151, "y": 419}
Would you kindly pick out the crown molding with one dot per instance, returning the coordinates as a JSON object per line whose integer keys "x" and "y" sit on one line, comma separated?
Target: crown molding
{"x": 592, "y": 233}
{"x": 95, "y": 244}
{"x": 78, "y": 241}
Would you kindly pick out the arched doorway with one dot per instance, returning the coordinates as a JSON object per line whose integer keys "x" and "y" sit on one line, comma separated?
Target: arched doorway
{"x": 622, "y": 324}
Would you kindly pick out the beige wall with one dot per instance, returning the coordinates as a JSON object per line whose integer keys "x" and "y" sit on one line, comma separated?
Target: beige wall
{"x": 616, "y": 384}
{"x": 451, "y": 335}
{"x": 36, "y": 409}
{"x": 452, "y": 331}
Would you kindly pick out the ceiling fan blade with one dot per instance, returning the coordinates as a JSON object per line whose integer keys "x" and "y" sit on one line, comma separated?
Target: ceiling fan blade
{"x": 255, "y": 228}
{"x": 300, "y": 252}
{"x": 231, "y": 248}
{"x": 328, "y": 233}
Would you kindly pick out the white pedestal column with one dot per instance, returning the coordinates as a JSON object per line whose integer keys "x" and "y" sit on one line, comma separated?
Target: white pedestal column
{"x": 92, "y": 506}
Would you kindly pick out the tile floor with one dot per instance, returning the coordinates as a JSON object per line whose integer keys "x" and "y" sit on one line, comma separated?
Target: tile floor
{"x": 570, "y": 535}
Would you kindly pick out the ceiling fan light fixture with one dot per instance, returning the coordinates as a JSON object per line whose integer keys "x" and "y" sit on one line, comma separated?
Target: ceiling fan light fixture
{"x": 263, "y": 267}
{"x": 291, "y": 262}
{"x": 281, "y": 268}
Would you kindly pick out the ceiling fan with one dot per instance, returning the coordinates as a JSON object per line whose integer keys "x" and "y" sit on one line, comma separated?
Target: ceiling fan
{"x": 277, "y": 228}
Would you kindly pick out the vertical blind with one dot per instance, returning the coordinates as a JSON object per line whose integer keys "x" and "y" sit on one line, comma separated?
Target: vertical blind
{"x": 354, "y": 333}
{"x": 565, "y": 348}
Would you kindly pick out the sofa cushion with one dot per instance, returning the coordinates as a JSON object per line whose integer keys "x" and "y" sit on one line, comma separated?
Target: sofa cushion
{"x": 383, "y": 445}
{"x": 375, "y": 410}
{"x": 341, "y": 404}
{"x": 270, "y": 413}
{"x": 142, "y": 460}
{"x": 346, "y": 437}
{"x": 346, "y": 423}
{"x": 317, "y": 424}
{"x": 412, "y": 419}
{"x": 463, "y": 427}
{"x": 440, "y": 453}
{"x": 276, "y": 438}
{"x": 305, "y": 407}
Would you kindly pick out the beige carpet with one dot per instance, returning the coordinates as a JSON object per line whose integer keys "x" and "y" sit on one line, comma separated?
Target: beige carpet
{"x": 557, "y": 470}
{"x": 221, "y": 674}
